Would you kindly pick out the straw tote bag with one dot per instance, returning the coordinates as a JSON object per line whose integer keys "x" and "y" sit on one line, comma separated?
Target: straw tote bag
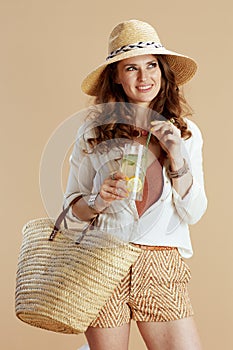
{"x": 62, "y": 283}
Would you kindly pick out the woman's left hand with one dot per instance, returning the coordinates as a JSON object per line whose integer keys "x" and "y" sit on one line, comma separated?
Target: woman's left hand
{"x": 169, "y": 137}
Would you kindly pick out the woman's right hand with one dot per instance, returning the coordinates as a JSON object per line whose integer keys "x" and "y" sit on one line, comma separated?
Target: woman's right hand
{"x": 114, "y": 187}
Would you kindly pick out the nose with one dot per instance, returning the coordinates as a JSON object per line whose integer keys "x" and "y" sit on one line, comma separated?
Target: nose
{"x": 142, "y": 75}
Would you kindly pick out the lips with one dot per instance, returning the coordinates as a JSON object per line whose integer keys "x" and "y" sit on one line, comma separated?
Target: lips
{"x": 144, "y": 88}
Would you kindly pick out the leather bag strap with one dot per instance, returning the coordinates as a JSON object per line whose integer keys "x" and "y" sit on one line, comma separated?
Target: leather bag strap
{"x": 62, "y": 217}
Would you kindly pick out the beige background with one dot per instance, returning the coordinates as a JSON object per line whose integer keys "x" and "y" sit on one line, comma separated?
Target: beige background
{"x": 47, "y": 47}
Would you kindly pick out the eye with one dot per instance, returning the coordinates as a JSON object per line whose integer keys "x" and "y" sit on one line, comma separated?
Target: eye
{"x": 130, "y": 68}
{"x": 153, "y": 65}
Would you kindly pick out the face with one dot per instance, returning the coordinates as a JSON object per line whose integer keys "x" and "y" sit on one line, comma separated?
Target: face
{"x": 140, "y": 78}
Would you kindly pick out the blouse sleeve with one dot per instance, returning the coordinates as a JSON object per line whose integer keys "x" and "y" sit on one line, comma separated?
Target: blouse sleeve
{"x": 193, "y": 205}
{"x": 81, "y": 174}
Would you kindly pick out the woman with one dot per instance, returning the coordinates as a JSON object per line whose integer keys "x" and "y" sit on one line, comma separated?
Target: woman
{"x": 137, "y": 92}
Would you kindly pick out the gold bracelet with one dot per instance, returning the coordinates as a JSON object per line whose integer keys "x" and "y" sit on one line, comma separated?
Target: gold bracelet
{"x": 180, "y": 172}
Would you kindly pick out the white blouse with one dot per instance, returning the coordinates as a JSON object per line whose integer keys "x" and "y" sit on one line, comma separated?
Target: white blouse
{"x": 164, "y": 223}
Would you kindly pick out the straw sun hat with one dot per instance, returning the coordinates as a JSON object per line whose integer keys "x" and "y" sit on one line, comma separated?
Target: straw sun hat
{"x": 134, "y": 38}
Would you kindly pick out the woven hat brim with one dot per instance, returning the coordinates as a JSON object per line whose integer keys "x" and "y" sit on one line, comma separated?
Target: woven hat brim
{"x": 184, "y": 67}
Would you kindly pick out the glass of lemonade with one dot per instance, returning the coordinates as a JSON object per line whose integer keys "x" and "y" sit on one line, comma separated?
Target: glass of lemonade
{"x": 133, "y": 166}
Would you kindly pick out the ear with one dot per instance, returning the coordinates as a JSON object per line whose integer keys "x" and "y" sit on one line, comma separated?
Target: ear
{"x": 114, "y": 73}
{"x": 117, "y": 79}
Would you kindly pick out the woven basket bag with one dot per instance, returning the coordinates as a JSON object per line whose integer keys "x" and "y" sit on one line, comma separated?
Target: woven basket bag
{"x": 62, "y": 283}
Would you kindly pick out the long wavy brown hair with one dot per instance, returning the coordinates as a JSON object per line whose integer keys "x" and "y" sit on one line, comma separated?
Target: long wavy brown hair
{"x": 117, "y": 120}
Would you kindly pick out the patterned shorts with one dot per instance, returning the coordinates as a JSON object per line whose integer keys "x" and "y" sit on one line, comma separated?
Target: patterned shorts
{"x": 155, "y": 289}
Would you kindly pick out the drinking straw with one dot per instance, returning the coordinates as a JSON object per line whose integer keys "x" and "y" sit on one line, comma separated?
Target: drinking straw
{"x": 148, "y": 139}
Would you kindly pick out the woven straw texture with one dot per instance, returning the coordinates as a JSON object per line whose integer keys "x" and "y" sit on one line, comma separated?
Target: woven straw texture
{"x": 131, "y": 32}
{"x": 61, "y": 286}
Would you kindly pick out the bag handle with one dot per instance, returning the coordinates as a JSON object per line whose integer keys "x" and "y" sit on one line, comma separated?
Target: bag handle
{"x": 62, "y": 217}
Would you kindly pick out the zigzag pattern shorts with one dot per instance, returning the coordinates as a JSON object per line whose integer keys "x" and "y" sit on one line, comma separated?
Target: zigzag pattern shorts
{"x": 154, "y": 290}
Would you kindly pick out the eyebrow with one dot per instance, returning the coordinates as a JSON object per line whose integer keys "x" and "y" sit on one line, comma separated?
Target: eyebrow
{"x": 134, "y": 64}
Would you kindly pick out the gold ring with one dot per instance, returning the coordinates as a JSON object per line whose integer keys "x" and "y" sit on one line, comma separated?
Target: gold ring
{"x": 113, "y": 176}
{"x": 172, "y": 120}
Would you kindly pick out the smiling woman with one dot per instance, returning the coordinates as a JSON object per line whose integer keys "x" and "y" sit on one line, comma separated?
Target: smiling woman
{"x": 138, "y": 99}
{"x": 140, "y": 78}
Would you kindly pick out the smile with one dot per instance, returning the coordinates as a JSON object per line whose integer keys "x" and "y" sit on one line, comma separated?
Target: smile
{"x": 145, "y": 88}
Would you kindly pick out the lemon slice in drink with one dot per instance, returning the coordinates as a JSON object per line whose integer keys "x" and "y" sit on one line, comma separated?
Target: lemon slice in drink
{"x": 134, "y": 184}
